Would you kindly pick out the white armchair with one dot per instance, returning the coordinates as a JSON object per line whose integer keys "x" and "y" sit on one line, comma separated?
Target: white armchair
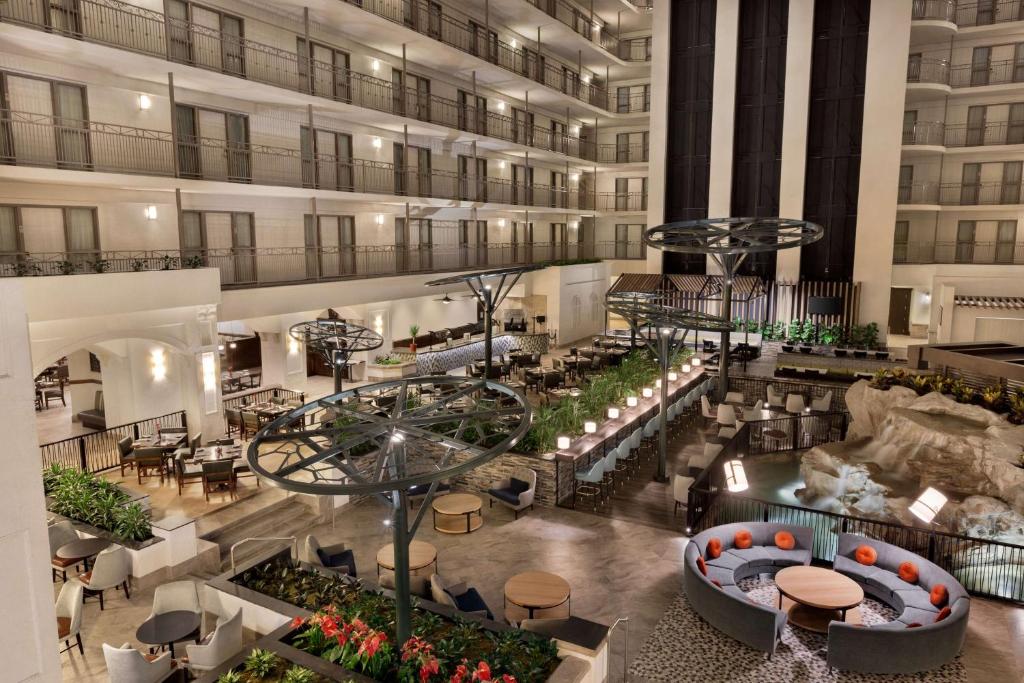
{"x": 178, "y": 596}
{"x": 515, "y": 492}
{"x": 753, "y": 414}
{"x": 726, "y": 415}
{"x": 112, "y": 568}
{"x": 69, "y": 614}
{"x": 702, "y": 461}
{"x": 60, "y": 534}
{"x": 775, "y": 398}
{"x": 217, "y": 647}
{"x": 680, "y": 488}
{"x": 706, "y": 410}
{"x": 735, "y": 397}
{"x": 795, "y": 403}
{"x": 125, "y": 664}
{"x": 823, "y": 404}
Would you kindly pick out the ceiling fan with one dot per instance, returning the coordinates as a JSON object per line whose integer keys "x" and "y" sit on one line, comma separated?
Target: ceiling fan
{"x": 445, "y": 299}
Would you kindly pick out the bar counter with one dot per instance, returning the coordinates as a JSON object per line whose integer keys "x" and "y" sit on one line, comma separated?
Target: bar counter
{"x": 441, "y": 359}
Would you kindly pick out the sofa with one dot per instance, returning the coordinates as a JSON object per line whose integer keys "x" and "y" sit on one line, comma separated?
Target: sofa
{"x": 915, "y": 641}
{"x": 95, "y": 417}
{"x": 713, "y": 592}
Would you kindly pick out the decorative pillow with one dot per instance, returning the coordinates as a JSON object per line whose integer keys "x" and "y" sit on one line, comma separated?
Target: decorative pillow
{"x": 785, "y": 541}
{"x": 943, "y": 613}
{"x": 914, "y": 625}
{"x": 716, "y": 582}
{"x": 714, "y": 547}
{"x": 743, "y": 539}
{"x": 908, "y": 572}
{"x": 701, "y": 566}
{"x": 865, "y": 554}
{"x": 518, "y": 486}
{"x": 939, "y": 595}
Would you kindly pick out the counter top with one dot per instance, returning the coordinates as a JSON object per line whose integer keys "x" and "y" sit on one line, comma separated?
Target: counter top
{"x": 476, "y": 339}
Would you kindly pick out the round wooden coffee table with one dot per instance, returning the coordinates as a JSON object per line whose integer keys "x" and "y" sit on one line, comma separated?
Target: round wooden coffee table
{"x": 421, "y": 556}
{"x": 537, "y": 591}
{"x": 457, "y": 513}
{"x": 814, "y": 596}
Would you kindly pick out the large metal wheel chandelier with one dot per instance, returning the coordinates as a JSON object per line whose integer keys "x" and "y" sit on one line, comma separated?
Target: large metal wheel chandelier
{"x": 335, "y": 341}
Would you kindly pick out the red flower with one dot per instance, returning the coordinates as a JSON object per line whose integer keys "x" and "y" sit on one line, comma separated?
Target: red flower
{"x": 428, "y": 669}
{"x": 297, "y": 622}
{"x": 342, "y": 639}
{"x": 482, "y": 673}
{"x": 506, "y": 678}
{"x": 460, "y": 672}
{"x": 329, "y": 626}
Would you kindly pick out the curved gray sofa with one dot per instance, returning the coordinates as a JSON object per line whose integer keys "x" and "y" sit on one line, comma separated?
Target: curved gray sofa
{"x": 727, "y": 608}
{"x": 893, "y": 648}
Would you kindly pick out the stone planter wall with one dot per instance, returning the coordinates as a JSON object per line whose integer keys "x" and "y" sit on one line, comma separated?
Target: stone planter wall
{"x": 483, "y": 477}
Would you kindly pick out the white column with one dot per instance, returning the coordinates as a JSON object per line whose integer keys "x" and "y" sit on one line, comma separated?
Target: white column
{"x": 273, "y": 358}
{"x": 723, "y": 112}
{"x": 28, "y": 631}
{"x": 661, "y": 55}
{"x": 885, "y": 89}
{"x": 799, "y": 43}
{"x": 201, "y": 385}
{"x": 81, "y": 393}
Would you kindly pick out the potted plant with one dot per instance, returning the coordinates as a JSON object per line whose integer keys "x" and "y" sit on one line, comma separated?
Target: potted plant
{"x": 100, "y": 265}
{"x": 167, "y": 262}
{"x": 66, "y": 267}
{"x": 413, "y": 331}
{"x": 138, "y": 265}
{"x": 194, "y": 261}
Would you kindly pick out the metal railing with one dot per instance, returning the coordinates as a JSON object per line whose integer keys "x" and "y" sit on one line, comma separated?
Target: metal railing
{"x": 993, "y": 73}
{"x": 924, "y": 133}
{"x": 1001, "y": 253}
{"x": 987, "y": 12}
{"x": 119, "y": 24}
{"x": 262, "y": 395}
{"x": 755, "y": 389}
{"x": 635, "y": 49}
{"x": 631, "y": 103}
{"x": 960, "y": 194}
{"x": 622, "y": 154}
{"x": 581, "y": 22}
{"x": 928, "y": 71}
{"x": 614, "y": 201}
{"x": 258, "y": 267}
{"x": 42, "y": 140}
{"x": 939, "y": 10}
{"x": 470, "y": 36}
{"x": 991, "y": 133}
{"x": 98, "y": 451}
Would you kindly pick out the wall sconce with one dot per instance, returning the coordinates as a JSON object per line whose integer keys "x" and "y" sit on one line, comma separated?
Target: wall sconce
{"x": 159, "y": 363}
{"x": 379, "y": 219}
{"x": 209, "y": 372}
{"x": 220, "y": 347}
{"x": 696, "y": 362}
{"x": 563, "y": 442}
{"x": 501, "y": 106}
{"x": 501, "y": 222}
{"x": 575, "y": 130}
{"x": 574, "y": 225}
{"x": 376, "y": 142}
{"x": 501, "y": 164}
{"x": 574, "y": 177}
{"x": 672, "y": 377}
{"x": 589, "y": 427}
{"x": 648, "y": 392}
{"x": 585, "y": 78}
{"x": 378, "y": 324}
{"x": 613, "y": 413}
{"x": 150, "y": 212}
{"x": 928, "y": 505}
{"x": 293, "y": 346}
{"x": 735, "y": 477}
{"x": 145, "y": 102}
{"x": 631, "y": 401}
{"x": 375, "y": 65}
{"x": 233, "y": 345}
{"x": 926, "y": 297}
{"x": 686, "y": 368}
{"x": 513, "y": 43}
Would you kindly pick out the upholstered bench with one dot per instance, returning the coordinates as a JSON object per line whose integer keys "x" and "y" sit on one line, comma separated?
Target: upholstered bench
{"x": 933, "y": 610}
{"x": 714, "y": 565}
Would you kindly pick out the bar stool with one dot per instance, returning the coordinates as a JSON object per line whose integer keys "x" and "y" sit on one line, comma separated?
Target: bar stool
{"x": 588, "y": 483}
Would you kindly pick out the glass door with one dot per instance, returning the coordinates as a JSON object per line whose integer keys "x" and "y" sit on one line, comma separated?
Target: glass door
{"x": 66, "y": 17}
{"x": 970, "y": 187}
{"x": 965, "y": 231}
{"x": 10, "y": 240}
{"x": 72, "y": 124}
{"x": 1010, "y": 191}
{"x": 312, "y": 244}
{"x": 621, "y": 240}
{"x": 975, "y": 126}
{"x": 900, "y": 241}
{"x": 187, "y": 127}
{"x": 193, "y": 236}
{"x": 1018, "y": 63}
{"x": 981, "y": 60}
{"x": 1015, "y": 124}
{"x": 232, "y": 45}
{"x": 81, "y": 236}
{"x": 237, "y": 134}
{"x": 1006, "y": 242}
{"x": 243, "y": 245}
{"x": 179, "y": 33}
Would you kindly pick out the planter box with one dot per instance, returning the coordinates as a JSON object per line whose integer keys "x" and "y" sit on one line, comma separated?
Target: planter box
{"x": 394, "y": 371}
{"x": 271, "y": 618}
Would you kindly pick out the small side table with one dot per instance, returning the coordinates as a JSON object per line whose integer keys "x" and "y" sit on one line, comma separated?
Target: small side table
{"x": 457, "y": 513}
{"x": 534, "y": 591}
{"x": 421, "y": 556}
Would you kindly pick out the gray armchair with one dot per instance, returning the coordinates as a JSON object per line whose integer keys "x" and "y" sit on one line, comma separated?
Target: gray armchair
{"x": 112, "y": 568}
{"x": 459, "y": 596}
{"x": 217, "y": 647}
{"x": 125, "y": 664}
{"x": 515, "y": 492}
{"x": 335, "y": 556}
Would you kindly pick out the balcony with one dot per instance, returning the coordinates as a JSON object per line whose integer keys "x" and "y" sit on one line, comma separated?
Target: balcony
{"x": 445, "y": 25}
{"x": 984, "y": 253}
{"x": 994, "y": 73}
{"x": 265, "y": 267}
{"x": 959, "y": 194}
{"x": 39, "y": 140}
{"x": 622, "y": 154}
{"x": 596, "y": 32}
{"x": 620, "y": 202}
{"x": 143, "y": 31}
{"x": 924, "y": 134}
{"x": 989, "y": 13}
{"x": 991, "y": 133}
{"x": 927, "y": 78}
{"x": 933, "y": 20}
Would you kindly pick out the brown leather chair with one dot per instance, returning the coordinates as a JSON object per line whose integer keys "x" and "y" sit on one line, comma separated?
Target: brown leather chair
{"x": 124, "y": 448}
{"x": 183, "y": 476}
{"x": 219, "y": 474}
{"x": 147, "y": 460}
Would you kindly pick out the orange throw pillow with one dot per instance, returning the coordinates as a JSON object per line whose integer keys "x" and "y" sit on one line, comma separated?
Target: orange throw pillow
{"x": 715, "y": 581}
{"x": 743, "y": 539}
{"x": 914, "y": 625}
{"x": 701, "y": 566}
{"x": 714, "y": 548}
{"x": 939, "y": 595}
{"x": 784, "y": 540}
{"x": 943, "y": 613}
{"x": 866, "y": 555}
{"x": 908, "y": 572}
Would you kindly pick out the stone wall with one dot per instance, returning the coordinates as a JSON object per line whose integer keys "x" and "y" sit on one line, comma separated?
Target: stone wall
{"x": 483, "y": 477}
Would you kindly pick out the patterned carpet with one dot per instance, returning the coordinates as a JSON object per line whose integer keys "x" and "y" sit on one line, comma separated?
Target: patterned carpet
{"x": 684, "y": 647}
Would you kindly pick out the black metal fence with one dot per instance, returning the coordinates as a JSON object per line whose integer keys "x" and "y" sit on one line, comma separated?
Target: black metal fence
{"x": 756, "y": 389}
{"x": 263, "y": 395}
{"x": 795, "y": 432}
{"x": 97, "y": 451}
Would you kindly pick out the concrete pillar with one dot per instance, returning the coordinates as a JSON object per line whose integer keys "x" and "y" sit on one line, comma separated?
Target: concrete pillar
{"x": 885, "y": 88}
{"x": 661, "y": 50}
{"x": 28, "y": 631}
{"x": 723, "y": 110}
{"x": 84, "y": 383}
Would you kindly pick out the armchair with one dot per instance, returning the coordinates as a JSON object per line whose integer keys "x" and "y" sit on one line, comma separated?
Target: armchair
{"x": 458, "y": 595}
{"x": 69, "y": 615}
{"x": 125, "y": 664}
{"x": 178, "y": 596}
{"x": 822, "y": 404}
{"x": 775, "y": 398}
{"x": 335, "y": 556}
{"x": 515, "y": 492}
{"x": 217, "y": 647}
{"x": 111, "y": 570}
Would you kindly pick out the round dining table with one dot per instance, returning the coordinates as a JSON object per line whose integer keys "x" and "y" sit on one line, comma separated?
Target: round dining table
{"x": 82, "y": 549}
{"x": 169, "y": 628}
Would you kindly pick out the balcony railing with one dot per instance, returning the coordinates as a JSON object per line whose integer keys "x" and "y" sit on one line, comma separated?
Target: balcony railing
{"x": 118, "y": 24}
{"x": 992, "y": 133}
{"x": 936, "y": 10}
{"x": 622, "y": 154}
{"x": 40, "y": 140}
{"x": 471, "y": 37}
{"x": 615, "y": 201}
{"x": 987, "y": 13}
{"x": 960, "y": 194}
{"x": 596, "y": 32}
{"x": 993, "y": 73}
{"x": 259, "y": 267}
{"x": 997, "y": 253}
{"x": 635, "y": 50}
{"x": 924, "y": 133}
{"x": 928, "y": 71}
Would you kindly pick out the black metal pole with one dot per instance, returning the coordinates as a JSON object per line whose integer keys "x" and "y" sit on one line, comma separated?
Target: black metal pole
{"x": 488, "y": 298}
{"x": 403, "y": 609}
{"x": 337, "y": 363}
{"x": 663, "y": 344}
{"x": 728, "y": 272}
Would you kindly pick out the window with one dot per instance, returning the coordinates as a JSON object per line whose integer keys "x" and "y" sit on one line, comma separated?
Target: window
{"x": 1015, "y": 124}
{"x": 909, "y": 127}
{"x": 965, "y": 231}
{"x": 970, "y": 188}
{"x": 330, "y": 245}
{"x": 901, "y": 238}
{"x": 412, "y": 170}
{"x": 1006, "y": 242}
{"x": 522, "y": 184}
{"x": 10, "y": 237}
{"x": 68, "y": 233}
{"x": 327, "y": 160}
{"x": 522, "y": 126}
{"x": 1010, "y": 191}
{"x": 212, "y": 144}
{"x": 914, "y": 67}
{"x": 906, "y": 184}
{"x": 206, "y": 37}
{"x": 472, "y": 113}
{"x": 223, "y": 240}
{"x": 411, "y": 95}
{"x": 324, "y": 71}
{"x": 628, "y": 237}
{"x": 975, "y": 126}
{"x": 66, "y": 145}
{"x": 981, "y": 64}
{"x": 483, "y": 43}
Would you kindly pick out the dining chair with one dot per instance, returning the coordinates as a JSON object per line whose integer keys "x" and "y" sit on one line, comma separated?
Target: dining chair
{"x": 218, "y": 646}
{"x": 701, "y": 461}
{"x": 126, "y": 453}
{"x": 147, "y": 460}
{"x": 726, "y": 415}
{"x": 706, "y": 410}
{"x": 823, "y": 404}
{"x": 69, "y": 615}
{"x": 217, "y": 475}
{"x": 250, "y": 423}
{"x": 53, "y": 392}
{"x": 234, "y": 420}
{"x": 734, "y": 397}
{"x": 795, "y": 403}
{"x": 775, "y": 397}
{"x": 178, "y": 596}
{"x": 111, "y": 569}
{"x": 183, "y": 477}
{"x": 61, "y": 534}
{"x": 680, "y": 490}
{"x": 125, "y": 664}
